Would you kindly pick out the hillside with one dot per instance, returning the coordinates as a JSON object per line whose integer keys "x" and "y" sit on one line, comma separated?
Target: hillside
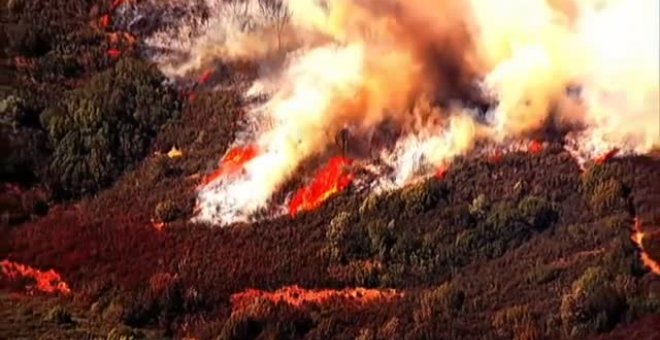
{"x": 524, "y": 244}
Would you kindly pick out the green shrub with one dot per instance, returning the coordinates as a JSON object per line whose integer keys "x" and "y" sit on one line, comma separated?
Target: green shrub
{"x": 124, "y": 333}
{"x": 27, "y": 37}
{"x": 516, "y": 322}
{"x": 167, "y": 211}
{"x": 58, "y": 315}
{"x": 419, "y": 198}
{"x": 542, "y": 273}
{"x": 103, "y": 128}
{"x": 11, "y": 111}
{"x": 592, "y": 305}
{"x": 381, "y": 236}
{"x": 440, "y": 303}
{"x": 345, "y": 239}
{"x": 537, "y": 212}
{"x": 479, "y": 206}
{"x": 608, "y": 196}
{"x": 641, "y": 306}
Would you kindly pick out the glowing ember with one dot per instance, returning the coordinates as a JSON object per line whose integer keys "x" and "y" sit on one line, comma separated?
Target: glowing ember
{"x": 114, "y": 53}
{"x": 441, "y": 172}
{"x": 204, "y": 78}
{"x": 105, "y": 21}
{"x": 46, "y": 282}
{"x": 232, "y": 162}
{"x": 158, "y": 225}
{"x": 296, "y": 296}
{"x": 535, "y": 147}
{"x": 330, "y": 180}
{"x": 638, "y": 237}
{"x": 606, "y": 157}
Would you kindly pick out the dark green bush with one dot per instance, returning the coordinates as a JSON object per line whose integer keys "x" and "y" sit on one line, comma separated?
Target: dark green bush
{"x": 167, "y": 211}
{"x": 409, "y": 201}
{"x": 58, "y": 315}
{"x": 593, "y": 304}
{"x": 537, "y": 212}
{"x": 542, "y": 273}
{"x": 124, "y": 333}
{"x": 27, "y": 38}
{"x": 107, "y": 126}
{"x": 608, "y": 196}
{"x": 346, "y": 240}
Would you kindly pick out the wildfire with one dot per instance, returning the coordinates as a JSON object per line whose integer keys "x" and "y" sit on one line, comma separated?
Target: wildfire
{"x": 232, "y": 162}
{"x": 46, "y": 282}
{"x": 331, "y": 179}
{"x": 296, "y": 296}
{"x": 638, "y": 238}
{"x": 373, "y": 63}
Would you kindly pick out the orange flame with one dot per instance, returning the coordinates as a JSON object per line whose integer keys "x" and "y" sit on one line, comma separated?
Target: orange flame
{"x": 330, "y": 180}
{"x": 296, "y": 296}
{"x": 232, "y": 162}
{"x": 638, "y": 238}
{"x": 607, "y": 156}
{"x": 46, "y": 282}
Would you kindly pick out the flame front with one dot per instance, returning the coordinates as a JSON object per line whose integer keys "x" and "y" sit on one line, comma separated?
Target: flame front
{"x": 638, "y": 238}
{"x": 331, "y": 179}
{"x": 296, "y": 296}
{"x": 45, "y": 282}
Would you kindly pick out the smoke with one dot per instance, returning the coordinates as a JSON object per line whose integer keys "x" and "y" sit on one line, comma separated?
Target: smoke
{"x": 448, "y": 73}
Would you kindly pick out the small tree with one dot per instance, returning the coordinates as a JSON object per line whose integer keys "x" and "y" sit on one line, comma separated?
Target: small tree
{"x": 277, "y": 12}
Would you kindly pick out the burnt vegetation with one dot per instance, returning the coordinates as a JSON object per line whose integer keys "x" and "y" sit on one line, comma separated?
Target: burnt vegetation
{"x": 529, "y": 247}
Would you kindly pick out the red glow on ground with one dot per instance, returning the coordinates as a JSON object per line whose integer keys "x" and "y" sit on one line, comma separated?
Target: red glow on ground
{"x": 46, "y": 282}
{"x": 296, "y": 296}
{"x": 535, "y": 147}
{"x": 232, "y": 162}
{"x": 607, "y": 156}
{"x": 331, "y": 179}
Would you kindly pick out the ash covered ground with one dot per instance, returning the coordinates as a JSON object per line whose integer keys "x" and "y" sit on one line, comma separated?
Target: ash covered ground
{"x": 103, "y": 158}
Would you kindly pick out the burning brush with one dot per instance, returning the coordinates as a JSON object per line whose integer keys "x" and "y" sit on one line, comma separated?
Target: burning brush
{"x": 415, "y": 64}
